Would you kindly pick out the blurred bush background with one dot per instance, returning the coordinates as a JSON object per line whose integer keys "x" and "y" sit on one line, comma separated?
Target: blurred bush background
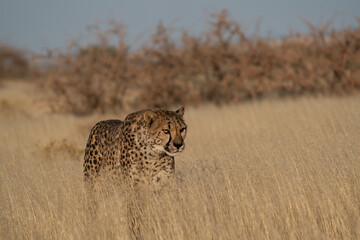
{"x": 220, "y": 65}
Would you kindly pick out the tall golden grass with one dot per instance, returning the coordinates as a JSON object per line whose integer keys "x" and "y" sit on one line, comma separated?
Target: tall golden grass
{"x": 222, "y": 64}
{"x": 262, "y": 170}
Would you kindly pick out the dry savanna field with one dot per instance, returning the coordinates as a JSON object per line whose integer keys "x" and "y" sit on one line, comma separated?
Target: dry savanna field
{"x": 272, "y": 169}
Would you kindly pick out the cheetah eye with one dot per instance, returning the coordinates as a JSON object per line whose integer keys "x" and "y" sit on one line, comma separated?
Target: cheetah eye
{"x": 166, "y": 131}
{"x": 181, "y": 130}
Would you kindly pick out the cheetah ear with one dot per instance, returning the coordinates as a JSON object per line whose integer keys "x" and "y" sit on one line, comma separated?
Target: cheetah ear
{"x": 180, "y": 111}
{"x": 149, "y": 117}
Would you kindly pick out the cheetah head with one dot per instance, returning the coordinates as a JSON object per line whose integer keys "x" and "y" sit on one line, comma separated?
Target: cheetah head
{"x": 166, "y": 130}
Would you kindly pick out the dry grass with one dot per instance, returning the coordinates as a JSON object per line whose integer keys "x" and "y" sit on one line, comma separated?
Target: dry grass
{"x": 268, "y": 170}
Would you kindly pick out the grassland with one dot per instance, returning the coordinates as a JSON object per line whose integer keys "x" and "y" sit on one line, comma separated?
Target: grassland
{"x": 274, "y": 169}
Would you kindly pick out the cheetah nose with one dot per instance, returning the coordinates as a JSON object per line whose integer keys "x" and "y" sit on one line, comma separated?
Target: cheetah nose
{"x": 178, "y": 145}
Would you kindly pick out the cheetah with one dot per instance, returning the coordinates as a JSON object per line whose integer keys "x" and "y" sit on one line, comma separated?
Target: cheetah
{"x": 140, "y": 149}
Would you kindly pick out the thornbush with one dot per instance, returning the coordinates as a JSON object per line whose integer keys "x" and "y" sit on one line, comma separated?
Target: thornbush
{"x": 221, "y": 65}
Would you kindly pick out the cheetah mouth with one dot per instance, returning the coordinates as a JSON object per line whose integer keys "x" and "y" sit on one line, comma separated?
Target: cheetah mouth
{"x": 166, "y": 151}
{"x": 172, "y": 154}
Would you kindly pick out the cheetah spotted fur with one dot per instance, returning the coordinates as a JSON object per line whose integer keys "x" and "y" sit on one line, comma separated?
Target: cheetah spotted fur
{"x": 141, "y": 148}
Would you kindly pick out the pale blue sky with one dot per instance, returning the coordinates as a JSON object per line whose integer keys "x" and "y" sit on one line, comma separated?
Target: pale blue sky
{"x": 41, "y": 24}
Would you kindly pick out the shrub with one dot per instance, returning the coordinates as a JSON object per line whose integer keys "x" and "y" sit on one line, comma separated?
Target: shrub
{"x": 221, "y": 65}
{"x": 13, "y": 62}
